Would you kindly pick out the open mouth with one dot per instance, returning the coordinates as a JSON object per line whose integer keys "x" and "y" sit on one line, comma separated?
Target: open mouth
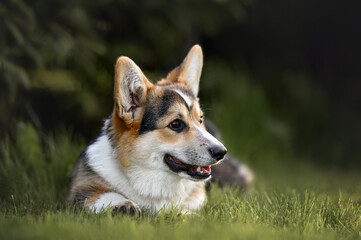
{"x": 197, "y": 172}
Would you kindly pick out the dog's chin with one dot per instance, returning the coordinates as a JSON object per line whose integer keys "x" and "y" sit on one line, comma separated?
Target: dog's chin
{"x": 193, "y": 172}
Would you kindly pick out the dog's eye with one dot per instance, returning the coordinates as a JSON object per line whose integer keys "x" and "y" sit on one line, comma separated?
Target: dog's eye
{"x": 201, "y": 120}
{"x": 177, "y": 125}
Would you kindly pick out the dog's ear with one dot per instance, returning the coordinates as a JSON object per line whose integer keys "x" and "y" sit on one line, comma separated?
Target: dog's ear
{"x": 130, "y": 90}
{"x": 189, "y": 72}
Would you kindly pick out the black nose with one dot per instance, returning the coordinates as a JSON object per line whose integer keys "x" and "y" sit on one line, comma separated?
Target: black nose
{"x": 217, "y": 152}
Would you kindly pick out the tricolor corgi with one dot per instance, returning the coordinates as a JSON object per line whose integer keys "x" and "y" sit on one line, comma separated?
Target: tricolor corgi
{"x": 154, "y": 151}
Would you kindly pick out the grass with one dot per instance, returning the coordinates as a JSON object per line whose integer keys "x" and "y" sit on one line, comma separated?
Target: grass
{"x": 290, "y": 215}
{"x": 294, "y": 201}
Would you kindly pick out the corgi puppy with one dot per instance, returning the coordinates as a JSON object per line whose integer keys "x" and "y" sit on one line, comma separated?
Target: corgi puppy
{"x": 154, "y": 151}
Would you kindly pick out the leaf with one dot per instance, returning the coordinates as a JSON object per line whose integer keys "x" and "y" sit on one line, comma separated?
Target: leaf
{"x": 14, "y": 72}
{"x": 57, "y": 80}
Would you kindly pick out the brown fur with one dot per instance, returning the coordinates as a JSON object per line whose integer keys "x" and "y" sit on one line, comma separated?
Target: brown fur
{"x": 86, "y": 186}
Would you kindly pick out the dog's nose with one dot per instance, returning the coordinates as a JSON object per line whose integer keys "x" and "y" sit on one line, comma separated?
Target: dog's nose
{"x": 217, "y": 152}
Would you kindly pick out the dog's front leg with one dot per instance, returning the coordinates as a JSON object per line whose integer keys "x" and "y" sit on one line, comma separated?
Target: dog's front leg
{"x": 117, "y": 202}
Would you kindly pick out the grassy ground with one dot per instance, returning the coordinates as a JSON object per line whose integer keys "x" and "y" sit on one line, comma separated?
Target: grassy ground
{"x": 293, "y": 201}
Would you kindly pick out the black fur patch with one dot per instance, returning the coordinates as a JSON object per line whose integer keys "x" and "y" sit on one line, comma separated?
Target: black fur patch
{"x": 80, "y": 198}
{"x": 169, "y": 97}
{"x": 149, "y": 120}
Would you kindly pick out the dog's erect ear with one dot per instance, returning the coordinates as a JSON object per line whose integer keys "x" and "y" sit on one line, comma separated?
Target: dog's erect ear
{"x": 190, "y": 70}
{"x": 130, "y": 90}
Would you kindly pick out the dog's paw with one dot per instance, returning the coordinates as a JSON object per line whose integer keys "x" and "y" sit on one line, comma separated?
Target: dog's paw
{"x": 127, "y": 207}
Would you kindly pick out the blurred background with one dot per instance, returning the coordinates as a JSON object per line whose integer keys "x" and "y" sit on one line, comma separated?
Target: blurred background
{"x": 281, "y": 79}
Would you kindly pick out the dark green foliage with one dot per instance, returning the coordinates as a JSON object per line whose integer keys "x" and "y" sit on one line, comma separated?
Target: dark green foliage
{"x": 56, "y": 65}
{"x": 65, "y": 51}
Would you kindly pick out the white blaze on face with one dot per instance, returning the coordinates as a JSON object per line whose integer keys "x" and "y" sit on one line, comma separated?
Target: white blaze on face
{"x": 185, "y": 97}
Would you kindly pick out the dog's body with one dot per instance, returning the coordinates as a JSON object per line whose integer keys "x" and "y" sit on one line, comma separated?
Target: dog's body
{"x": 154, "y": 151}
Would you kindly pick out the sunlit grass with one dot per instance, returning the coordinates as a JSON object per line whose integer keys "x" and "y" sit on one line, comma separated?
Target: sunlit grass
{"x": 228, "y": 215}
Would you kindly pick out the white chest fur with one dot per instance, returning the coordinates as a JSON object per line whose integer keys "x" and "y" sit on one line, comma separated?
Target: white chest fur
{"x": 149, "y": 188}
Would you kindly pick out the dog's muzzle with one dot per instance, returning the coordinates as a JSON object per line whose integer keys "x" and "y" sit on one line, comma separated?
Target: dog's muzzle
{"x": 197, "y": 172}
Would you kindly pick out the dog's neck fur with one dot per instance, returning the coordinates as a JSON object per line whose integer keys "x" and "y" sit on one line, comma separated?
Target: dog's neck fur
{"x": 149, "y": 188}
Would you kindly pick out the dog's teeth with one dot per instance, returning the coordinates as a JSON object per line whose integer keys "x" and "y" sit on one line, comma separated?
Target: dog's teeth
{"x": 198, "y": 169}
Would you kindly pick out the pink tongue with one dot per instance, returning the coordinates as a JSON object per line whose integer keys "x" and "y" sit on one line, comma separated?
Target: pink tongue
{"x": 206, "y": 169}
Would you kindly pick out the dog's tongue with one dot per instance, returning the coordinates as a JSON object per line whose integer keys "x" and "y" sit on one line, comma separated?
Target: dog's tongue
{"x": 205, "y": 170}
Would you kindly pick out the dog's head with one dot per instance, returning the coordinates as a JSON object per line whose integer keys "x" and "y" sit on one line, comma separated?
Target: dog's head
{"x": 160, "y": 126}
